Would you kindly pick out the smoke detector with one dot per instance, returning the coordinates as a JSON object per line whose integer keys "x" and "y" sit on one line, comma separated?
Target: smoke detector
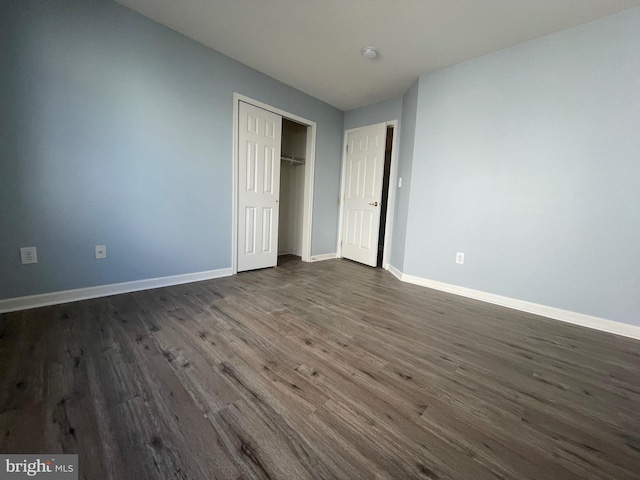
{"x": 369, "y": 53}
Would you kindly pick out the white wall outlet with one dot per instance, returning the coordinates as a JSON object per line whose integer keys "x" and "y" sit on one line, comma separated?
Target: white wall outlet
{"x": 101, "y": 251}
{"x": 460, "y": 257}
{"x": 400, "y": 182}
{"x": 28, "y": 255}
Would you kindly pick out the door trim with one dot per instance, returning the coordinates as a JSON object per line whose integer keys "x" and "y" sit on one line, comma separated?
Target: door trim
{"x": 309, "y": 174}
{"x": 388, "y": 231}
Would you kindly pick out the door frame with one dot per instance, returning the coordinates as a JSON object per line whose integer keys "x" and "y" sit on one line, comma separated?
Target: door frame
{"x": 391, "y": 200}
{"x": 309, "y": 174}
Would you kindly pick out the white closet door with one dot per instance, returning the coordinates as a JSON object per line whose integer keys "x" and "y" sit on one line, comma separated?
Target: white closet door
{"x": 259, "y": 138}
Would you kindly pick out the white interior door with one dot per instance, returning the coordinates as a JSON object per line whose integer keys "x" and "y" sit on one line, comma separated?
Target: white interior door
{"x": 364, "y": 171}
{"x": 259, "y": 138}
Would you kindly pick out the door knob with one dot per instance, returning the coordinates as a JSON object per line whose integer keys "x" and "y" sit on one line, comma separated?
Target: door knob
{"x": 375, "y": 204}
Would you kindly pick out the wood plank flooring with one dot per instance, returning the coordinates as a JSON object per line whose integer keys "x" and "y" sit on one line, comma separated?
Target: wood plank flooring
{"x": 329, "y": 370}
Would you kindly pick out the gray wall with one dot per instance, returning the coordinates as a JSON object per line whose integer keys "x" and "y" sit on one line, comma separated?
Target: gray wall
{"x": 118, "y": 131}
{"x": 372, "y": 114}
{"x": 405, "y": 162}
{"x": 527, "y": 160}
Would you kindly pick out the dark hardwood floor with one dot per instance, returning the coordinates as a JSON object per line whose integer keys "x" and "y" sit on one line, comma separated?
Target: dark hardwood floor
{"x": 323, "y": 370}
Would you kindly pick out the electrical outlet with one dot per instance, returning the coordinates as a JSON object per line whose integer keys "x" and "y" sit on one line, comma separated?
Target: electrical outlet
{"x": 400, "y": 182}
{"x": 28, "y": 255}
{"x": 101, "y": 251}
{"x": 460, "y": 257}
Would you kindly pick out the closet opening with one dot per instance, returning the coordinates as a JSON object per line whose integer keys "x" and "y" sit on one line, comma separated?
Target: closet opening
{"x": 292, "y": 186}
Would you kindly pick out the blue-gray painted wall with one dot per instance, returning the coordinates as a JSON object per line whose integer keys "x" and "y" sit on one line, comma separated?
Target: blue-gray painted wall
{"x": 372, "y": 114}
{"x": 116, "y": 130}
{"x": 405, "y": 162}
{"x": 528, "y": 161}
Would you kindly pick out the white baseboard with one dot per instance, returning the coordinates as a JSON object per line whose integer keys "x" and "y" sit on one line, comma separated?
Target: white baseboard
{"x": 324, "y": 256}
{"x": 54, "y": 298}
{"x": 567, "y": 316}
{"x": 396, "y": 273}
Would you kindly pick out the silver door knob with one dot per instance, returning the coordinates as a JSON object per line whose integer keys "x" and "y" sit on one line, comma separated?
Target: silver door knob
{"x": 375, "y": 204}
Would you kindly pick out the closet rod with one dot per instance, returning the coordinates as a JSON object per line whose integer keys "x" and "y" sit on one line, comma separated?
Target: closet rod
{"x": 292, "y": 159}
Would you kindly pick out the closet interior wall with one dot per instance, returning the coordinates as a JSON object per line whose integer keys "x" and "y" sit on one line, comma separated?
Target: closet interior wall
{"x": 292, "y": 175}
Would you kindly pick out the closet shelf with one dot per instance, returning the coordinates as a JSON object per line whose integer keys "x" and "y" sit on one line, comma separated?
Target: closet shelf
{"x": 292, "y": 159}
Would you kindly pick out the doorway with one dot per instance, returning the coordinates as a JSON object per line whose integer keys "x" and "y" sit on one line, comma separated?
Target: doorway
{"x": 245, "y": 217}
{"x": 368, "y": 194}
{"x": 385, "y": 196}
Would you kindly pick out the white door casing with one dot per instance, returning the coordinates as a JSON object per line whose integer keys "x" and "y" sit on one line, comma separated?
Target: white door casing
{"x": 259, "y": 139}
{"x": 363, "y": 193}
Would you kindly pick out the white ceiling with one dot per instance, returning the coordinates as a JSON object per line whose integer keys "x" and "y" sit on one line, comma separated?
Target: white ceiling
{"x": 314, "y": 45}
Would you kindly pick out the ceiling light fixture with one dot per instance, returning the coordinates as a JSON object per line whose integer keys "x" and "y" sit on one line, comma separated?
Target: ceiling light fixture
{"x": 369, "y": 53}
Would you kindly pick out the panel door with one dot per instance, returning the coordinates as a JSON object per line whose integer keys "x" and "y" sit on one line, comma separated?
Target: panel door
{"x": 259, "y": 139}
{"x": 364, "y": 172}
